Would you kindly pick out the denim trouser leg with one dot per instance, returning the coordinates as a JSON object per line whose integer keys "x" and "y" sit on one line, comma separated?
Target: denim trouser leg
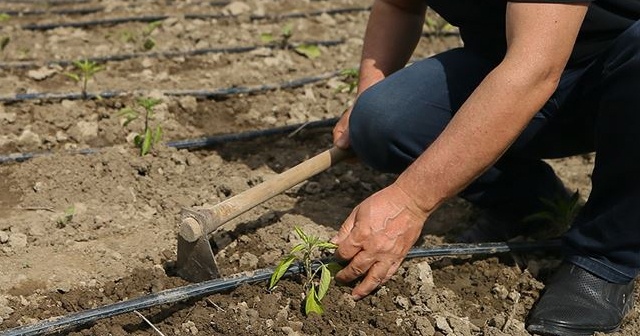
{"x": 605, "y": 238}
{"x": 395, "y": 120}
{"x": 595, "y": 108}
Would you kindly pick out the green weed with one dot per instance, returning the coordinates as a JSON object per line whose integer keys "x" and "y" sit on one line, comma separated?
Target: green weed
{"x": 558, "y": 215}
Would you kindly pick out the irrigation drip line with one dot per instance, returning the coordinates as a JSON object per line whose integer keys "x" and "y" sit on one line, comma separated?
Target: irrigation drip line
{"x": 166, "y": 54}
{"x": 152, "y": 18}
{"x": 191, "y": 144}
{"x": 73, "y": 11}
{"x": 208, "y": 94}
{"x": 210, "y": 287}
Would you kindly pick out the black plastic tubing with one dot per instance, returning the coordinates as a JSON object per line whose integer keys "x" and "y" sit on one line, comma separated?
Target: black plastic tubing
{"x": 178, "y": 294}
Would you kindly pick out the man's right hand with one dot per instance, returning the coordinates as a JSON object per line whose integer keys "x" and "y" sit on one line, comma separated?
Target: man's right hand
{"x": 341, "y": 131}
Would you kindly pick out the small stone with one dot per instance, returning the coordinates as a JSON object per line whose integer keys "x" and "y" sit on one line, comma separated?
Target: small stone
{"x": 188, "y": 103}
{"x": 500, "y": 291}
{"x": 29, "y": 138}
{"x": 236, "y": 8}
{"x": 402, "y": 302}
{"x": 41, "y": 73}
{"x": 8, "y": 117}
{"x": 38, "y": 186}
{"x": 443, "y": 326}
{"x": 249, "y": 260}
{"x": 424, "y": 326}
{"x": 84, "y": 130}
{"x": 61, "y": 136}
{"x": 18, "y": 240}
{"x": 4, "y": 237}
{"x": 312, "y": 188}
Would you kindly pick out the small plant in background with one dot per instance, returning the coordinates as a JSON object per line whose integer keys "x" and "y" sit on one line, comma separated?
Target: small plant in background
{"x": 4, "y": 41}
{"x": 84, "y": 71}
{"x": 148, "y": 42}
{"x": 66, "y": 217}
{"x": 150, "y": 136}
{"x": 559, "y": 214}
{"x": 350, "y": 77}
{"x": 315, "y": 290}
{"x": 283, "y": 41}
{"x": 4, "y": 17}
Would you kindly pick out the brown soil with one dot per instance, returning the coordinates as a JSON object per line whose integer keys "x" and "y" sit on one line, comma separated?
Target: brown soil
{"x": 81, "y": 231}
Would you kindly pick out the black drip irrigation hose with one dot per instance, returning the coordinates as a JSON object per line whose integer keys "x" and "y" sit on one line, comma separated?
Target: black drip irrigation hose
{"x": 192, "y": 144}
{"x": 209, "y": 94}
{"x": 79, "y": 319}
{"x": 167, "y": 54}
{"x": 73, "y": 11}
{"x": 152, "y": 18}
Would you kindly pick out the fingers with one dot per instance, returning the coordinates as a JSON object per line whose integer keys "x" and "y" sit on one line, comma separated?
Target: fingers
{"x": 346, "y": 228}
{"x": 377, "y": 275}
{"x": 342, "y": 140}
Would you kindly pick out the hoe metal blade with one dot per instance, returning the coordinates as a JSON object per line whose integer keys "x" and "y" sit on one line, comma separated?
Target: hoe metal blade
{"x": 195, "y": 260}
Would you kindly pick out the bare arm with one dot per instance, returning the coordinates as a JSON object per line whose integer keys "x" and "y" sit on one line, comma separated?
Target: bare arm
{"x": 540, "y": 38}
{"x": 392, "y": 33}
{"x": 380, "y": 231}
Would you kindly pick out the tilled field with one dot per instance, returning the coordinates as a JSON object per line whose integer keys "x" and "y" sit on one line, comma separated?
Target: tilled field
{"x": 81, "y": 231}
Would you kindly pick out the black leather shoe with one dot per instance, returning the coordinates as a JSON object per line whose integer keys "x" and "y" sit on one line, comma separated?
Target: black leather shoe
{"x": 577, "y": 303}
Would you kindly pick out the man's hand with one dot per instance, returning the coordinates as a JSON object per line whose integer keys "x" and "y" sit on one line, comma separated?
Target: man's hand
{"x": 341, "y": 131}
{"x": 376, "y": 237}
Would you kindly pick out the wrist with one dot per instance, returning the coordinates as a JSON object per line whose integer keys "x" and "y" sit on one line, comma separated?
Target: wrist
{"x": 421, "y": 199}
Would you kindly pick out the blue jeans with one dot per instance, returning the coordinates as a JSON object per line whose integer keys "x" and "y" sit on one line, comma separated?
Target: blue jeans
{"x": 595, "y": 108}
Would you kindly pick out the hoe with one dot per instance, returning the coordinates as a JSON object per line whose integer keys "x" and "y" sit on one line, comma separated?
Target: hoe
{"x": 196, "y": 261}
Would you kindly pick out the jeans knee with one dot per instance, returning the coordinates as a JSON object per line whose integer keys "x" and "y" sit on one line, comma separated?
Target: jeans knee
{"x": 372, "y": 133}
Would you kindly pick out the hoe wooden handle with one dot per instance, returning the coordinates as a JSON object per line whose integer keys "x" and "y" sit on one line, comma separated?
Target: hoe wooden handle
{"x": 202, "y": 221}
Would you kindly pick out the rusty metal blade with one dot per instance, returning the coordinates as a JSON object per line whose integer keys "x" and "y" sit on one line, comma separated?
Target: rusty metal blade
{"x": 196, "y": 261}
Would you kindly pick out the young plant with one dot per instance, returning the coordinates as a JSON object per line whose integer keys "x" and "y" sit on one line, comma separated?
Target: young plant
{"x": 150, "y": 136}
{"x": 559, "y": 214}
{"x": 4, "y": 17}
{"x": 284, "y": 42}
{"x": 4, "y": 41}
{"x": 149, "y": 43}
{"x": 350, "y": 77}
{"x": 84, "y": 71}
{"x": 66, "y": 218}
{"x": 314, "y": 289}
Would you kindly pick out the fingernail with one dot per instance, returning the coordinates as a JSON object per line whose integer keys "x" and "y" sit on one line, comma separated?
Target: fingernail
{"x": 356, "y": 297}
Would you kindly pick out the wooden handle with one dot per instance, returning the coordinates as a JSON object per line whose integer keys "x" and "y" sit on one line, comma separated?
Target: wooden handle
{"x": 212, "y": 218}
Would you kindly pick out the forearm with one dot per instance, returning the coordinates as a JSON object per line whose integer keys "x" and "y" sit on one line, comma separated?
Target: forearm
{"x": 392, "y": 33}
{"x": 480, "y": 132}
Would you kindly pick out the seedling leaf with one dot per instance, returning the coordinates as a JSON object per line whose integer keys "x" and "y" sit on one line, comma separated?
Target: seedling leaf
{"x": 146, "y": 142}
{"x": 325, "y": 281}
{"x": 327, "y": 245}
{"x": 301, "y": 234}
{"x": 4, "y": 17}
{"x": 157, "y": 135}
{"x": 73, "y": 76}
{"x": 312, "y": 304}
{"x": 280, "y": 270}
{"x": 149, "y": 44}
{"x": 310, "y": 51}
{"x": 297, "y": 248}
{"x": 266, "y": 37}
{"x": 4, "y": 41}
{"x": 334, "y": 267}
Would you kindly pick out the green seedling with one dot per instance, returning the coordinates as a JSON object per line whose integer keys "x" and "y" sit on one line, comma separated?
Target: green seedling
{"x": 150, "y": 136}
{"x": 84, "y": 71}
{"x": 149, "y": 43}
{"x": 314, "y": 289}
{"x": 66, "y": 217}
{"x": 559, "y": 214}
{"x": 4, "y": 41}
{"x": 350, "y": 77}
{"x": 4, "y": 17}
{"x": 283, "y": 41}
